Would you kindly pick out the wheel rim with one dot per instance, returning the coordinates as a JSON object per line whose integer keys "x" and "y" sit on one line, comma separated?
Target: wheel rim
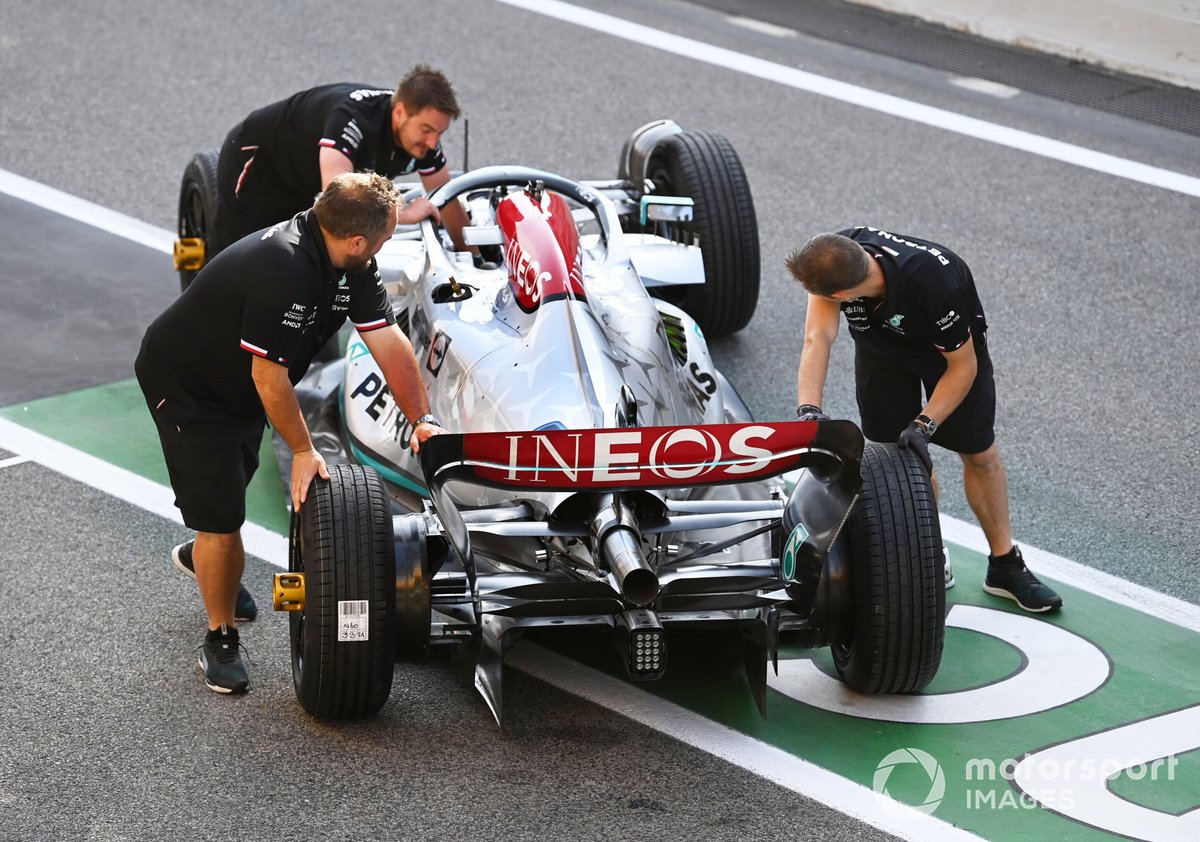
{"x": 192, "y": 222}
{"x": 296, "y": 565}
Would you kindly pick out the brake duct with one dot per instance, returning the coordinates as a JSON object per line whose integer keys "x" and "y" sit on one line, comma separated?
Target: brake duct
{"x": 617, "y": 542}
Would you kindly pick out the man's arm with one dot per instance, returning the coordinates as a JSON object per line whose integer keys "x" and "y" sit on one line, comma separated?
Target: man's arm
{"x": 333, "y": 163}
{"x": 394, "y": 354}
{"x": 279, "y": 400}
{"x": 820, "y": 330}
{"x": 454, "y": 216}
{"x": 961, "y": 367}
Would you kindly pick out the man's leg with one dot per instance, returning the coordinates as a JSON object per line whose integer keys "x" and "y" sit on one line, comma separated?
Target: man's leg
{"x": 986, "y": 486}
{"x": 219, "y": 559}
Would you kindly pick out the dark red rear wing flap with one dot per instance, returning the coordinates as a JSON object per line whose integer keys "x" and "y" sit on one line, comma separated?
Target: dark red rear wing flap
{"x": 625, "y": 458}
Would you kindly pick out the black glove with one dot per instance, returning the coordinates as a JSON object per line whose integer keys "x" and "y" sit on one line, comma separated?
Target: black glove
{"x": 916, "y": 436}
{"x": 808, "y": 412}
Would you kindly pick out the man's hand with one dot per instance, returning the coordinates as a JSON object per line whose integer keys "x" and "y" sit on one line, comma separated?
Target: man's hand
{"x": 916, "y": 437}
{"x": 809, "y": 412}
{"x": 416, "y": 210}
{"x": 423, "y": 432}
{"x": 305, "y": 465}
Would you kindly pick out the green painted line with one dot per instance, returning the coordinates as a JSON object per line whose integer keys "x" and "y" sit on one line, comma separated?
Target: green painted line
{"x": 113, "y": 423}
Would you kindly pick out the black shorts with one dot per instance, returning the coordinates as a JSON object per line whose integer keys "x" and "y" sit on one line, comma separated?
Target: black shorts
{"x": 250, "y": 194}
{"x": 209, "y": 471}
{"x": 889, "y": 398}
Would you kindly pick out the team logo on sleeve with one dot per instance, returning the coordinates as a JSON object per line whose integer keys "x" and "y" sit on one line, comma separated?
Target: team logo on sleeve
{"x": 947, "y": 320}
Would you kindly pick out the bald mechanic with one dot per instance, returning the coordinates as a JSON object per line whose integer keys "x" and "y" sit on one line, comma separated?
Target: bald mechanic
{"x": 223, "y": 358}
{"x": 916, "y": 321}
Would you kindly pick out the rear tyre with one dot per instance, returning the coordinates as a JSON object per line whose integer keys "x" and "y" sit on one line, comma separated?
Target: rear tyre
{"x": 898, "y": 578}
{"x": 706, "y": 168}
{"x": 342, "y": 542}
{"x": 197, "y": 203}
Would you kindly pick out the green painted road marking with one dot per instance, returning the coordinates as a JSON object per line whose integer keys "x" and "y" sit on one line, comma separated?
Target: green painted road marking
{"x": 1117, "y": 691}
{"x": 113, "y": 423}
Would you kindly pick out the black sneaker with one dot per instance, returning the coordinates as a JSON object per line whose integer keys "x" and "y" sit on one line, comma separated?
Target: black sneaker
{"x": 1015, "y": 582}
{"x": 224, "y": 671}
{"x": 246, "y": 609}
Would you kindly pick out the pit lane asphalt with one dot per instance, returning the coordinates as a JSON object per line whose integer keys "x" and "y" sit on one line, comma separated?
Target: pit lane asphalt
{"x": 108, "y": 734}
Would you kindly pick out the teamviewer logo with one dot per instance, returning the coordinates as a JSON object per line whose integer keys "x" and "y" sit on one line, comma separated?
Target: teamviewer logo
{"x": 913, "y": 764}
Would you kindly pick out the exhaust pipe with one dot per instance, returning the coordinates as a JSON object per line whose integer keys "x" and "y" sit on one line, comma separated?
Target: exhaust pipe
{"x": 618, "y": 542}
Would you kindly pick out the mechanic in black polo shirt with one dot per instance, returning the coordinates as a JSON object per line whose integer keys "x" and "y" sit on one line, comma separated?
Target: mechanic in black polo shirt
{"x": 916, "y": 320}
{"x": 224, "y": 357}
{"x": 275, "y": 161}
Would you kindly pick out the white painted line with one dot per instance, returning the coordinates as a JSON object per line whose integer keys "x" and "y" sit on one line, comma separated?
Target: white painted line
{"x": 755, "y": 756}
{"x": 1084, "y": 768}
{"x": 124, "y": 485}
{"x": 985, "y": 86}
{"x": 762, "y": 26}
{"x": 1060, "y": 667}
{"x": 13, "y": 460}
{"x": 864, "y": 97}
{"x": 84, "y": 211}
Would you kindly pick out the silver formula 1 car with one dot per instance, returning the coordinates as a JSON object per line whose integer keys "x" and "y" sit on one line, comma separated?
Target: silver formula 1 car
{"x": 601, "y": 472}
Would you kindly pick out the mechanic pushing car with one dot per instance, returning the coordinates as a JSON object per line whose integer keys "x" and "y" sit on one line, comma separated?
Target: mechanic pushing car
{"x": 276, "y": 160}
{"x": 223, "y": 358}
{"x": 916, "y": 319}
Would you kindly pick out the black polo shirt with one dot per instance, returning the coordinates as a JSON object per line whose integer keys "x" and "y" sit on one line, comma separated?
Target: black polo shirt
{"x": 274, "y": 295}
{"x": 931, "y": 305}
{"x": 354, "y": 119}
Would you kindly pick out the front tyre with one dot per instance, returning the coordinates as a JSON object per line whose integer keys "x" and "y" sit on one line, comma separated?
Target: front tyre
{"x": 198, "y": 200}
{"x": 706, "y": 168}
{"x": 895, "y": 547}
{"x": 343, "y": 640}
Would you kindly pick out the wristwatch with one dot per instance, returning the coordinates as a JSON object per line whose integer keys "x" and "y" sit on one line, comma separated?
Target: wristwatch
{"x": 929, "y": 424}
{"x": 427, "y": 418}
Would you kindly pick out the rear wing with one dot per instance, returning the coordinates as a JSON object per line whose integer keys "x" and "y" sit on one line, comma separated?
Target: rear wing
{"x": 629, "y": 458}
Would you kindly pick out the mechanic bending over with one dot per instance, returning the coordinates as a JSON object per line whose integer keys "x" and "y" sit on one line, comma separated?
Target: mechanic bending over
{"x": 275, "y": 161}
{"x": 916, "y": 319}
{"x": 223, "y": 359}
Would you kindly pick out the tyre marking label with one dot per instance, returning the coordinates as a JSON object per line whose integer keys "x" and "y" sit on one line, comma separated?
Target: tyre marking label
{"x": 353, "y": 621}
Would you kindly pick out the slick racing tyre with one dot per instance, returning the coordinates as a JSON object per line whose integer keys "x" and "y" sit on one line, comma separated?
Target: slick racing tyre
{"x": 705, "y": 168}
{"x": 898, "y": 577}
{"x": 197, "y": 203}
{"x": 342, "y": 642}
